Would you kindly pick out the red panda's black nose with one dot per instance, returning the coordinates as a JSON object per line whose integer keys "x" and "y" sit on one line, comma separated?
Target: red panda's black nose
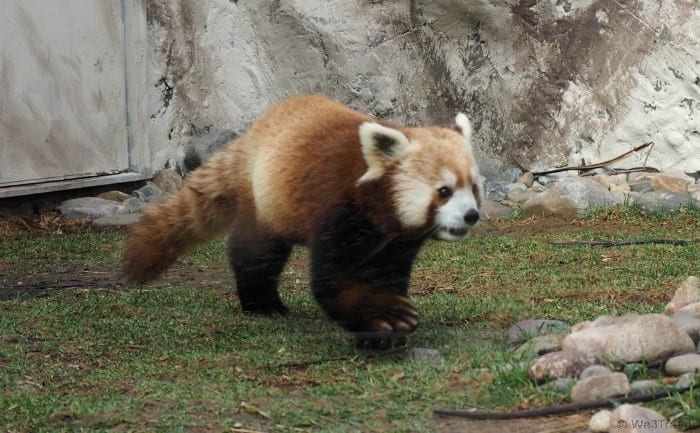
{"x": 471, "y": 217}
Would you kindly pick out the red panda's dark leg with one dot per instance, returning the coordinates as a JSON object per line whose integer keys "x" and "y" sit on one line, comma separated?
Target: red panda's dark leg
{"x": 257, "y": 262}
{"x": 363, "y": 289}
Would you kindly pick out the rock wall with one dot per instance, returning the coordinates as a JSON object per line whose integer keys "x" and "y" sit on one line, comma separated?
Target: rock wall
{"x": 546, "y": 83}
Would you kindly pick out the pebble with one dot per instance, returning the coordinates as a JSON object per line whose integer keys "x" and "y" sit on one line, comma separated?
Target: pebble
{"x": 539, "y": 346}
{"x": 562, "y": 384}
{"x": 121, "y": 220}
{"x": 673, "y": 182}
{"x": 149, "y": 193}
{"x": 688, "y": 363}
{"x": 600, "y": 387}
{"x": 688, "y": 323}
{"x": 658, "y": 201}
{"x": 646, "y": 386}
{"x": 638, "y": 338}
{"x": 491, "y": 209}
{"x": 687, "y": 293}
{"x": 553, "y": 365}
{"x": 114, "y": 196}
{"x": 168, "y": 181}
{"x": 131, "y": 205}
{"x": 495, "y": 190}
{"x": 570, "y": 196}
{"x": 422, "y": 354}
{"x": 599, "y": 421}
{"x": 685, "y": 381}
{"x": 527, "y": 179}
{"x": 630, "y": 418}
{"x": 526, "y": 329}
{"x": 88, "y": 207}
{"x": 594, "y": 370}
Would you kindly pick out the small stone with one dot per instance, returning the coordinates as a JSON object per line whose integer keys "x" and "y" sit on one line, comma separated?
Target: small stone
{"x": 537, "y": 187}
{"x": 600, "y": 387}
{"x": 539, "y": 346}
{"x": 630, "y": 418}
{"x": 659, "y": 201}
{"x": 594, "y": 370}
{"x": 515, "y": 188}
{"x": 491, "y": 209}
{"x": 564, "y": 363}
{"x": 495, "y": 190}
{"x": 168, "y": 181}
{"x": 685, "y": 381}
{"x": 150, "y": 193}
{"x": 691, "y": 309}
{"x": 114, "y": 196}
{"x": 673, "y": 182}
{"x": 681, "y": 364}
{"x": 634, "y": 338}
{"x": 131, "y": 205}
{"x": 421, "y": 354}
{"x": 688, "y": 323}
{"x": 599, "y": 421}
{"x": 88, "y": 207}
{"x": 122, "y": 220}
{"x": 646, "y": 386}
{"x": 570, "y": 197}
{"x": 563, "y": 385}
{"x": 623, "y": 187}
{"x": 642, "y": 185}
{"x": 526, "y": 329}
{"x": 527, "y": 179}
{"x": 687, "y": 293}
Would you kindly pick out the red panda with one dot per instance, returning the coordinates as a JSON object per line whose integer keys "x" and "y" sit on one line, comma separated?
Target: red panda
{"x": 362, "y": 194}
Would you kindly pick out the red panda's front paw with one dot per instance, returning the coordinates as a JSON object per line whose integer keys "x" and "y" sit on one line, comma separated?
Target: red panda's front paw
{"x": 388, "y": 327}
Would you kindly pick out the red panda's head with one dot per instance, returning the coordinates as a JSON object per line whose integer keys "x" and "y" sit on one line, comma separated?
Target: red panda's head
{"x": 432, "y": 175}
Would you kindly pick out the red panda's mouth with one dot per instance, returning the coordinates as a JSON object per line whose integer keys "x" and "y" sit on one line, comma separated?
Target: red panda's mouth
{"x": 462, "y": 231}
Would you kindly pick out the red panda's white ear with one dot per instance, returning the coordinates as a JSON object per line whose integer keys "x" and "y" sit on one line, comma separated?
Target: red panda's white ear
{"x": 380, "y": 145}
{"x": 464, "y": 127}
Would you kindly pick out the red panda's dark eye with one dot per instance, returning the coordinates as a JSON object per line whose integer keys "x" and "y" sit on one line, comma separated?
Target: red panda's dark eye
{"x": 445, "y": 192}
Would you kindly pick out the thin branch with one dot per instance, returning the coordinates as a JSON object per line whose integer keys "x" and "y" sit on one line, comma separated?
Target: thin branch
{"x": 596, "y": 165}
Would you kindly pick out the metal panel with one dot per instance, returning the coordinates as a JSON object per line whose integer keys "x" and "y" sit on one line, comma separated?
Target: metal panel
{"x": 62, "y": 90}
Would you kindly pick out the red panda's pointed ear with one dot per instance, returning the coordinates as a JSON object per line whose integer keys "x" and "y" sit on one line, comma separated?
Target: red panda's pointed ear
{"x": 463, "y": 126}
{"x": 380, "y": 144}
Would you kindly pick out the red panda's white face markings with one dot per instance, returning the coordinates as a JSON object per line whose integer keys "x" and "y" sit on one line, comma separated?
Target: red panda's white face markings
{"x": 438, "y": 183}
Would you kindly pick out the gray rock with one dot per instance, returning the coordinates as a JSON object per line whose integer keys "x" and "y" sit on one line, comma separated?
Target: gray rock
{"x": 685, "y": 381}
{"x": 600, "y": 387}
{"x": 599, "y": 421}
{"x": 114, "y": 196}
{"x": 88, "y": 207}
{"x": 421, "y": 354}
{"x": 570, "y": 197}
{"x": 491, "y": 209}
{"x": 149, "y": 193}
{"x": 673, "y": 182}
{"x": 657, "y": 201}
{"x": 131, "y": 205}
{"x": 650, "y": 338}
{"x": 553, "y": 365}
{"x": 630, "y": 418}
{"x": 646, "y": 386}
{"x": 120, "y": 220}
{"x": 526, "y": 329}
{"x": 515, "y": 187}
{"x": 688, "y": 323}
{"x": 687, "y": 293}
{"x": 168, "y": 181}
{"x": 681, "y": 364}
{"x": 495, "y": 190}
{"x": 201, "y": 148}
{"x": 527, "y": 179}
{"x": 594, "y": 370}
{"x": 539, "y": 346}
{"x": 690, "y": 309}
{"x": 641, "y": 185}
{"x": 562, "y": 384}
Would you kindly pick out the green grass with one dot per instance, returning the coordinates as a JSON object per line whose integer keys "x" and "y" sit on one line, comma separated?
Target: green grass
{"x": 179, "y": 356}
